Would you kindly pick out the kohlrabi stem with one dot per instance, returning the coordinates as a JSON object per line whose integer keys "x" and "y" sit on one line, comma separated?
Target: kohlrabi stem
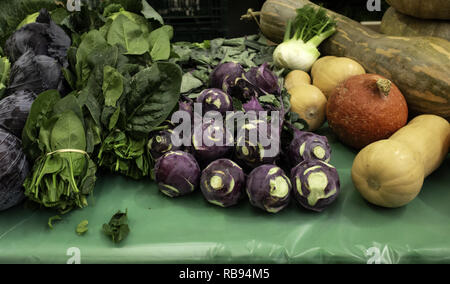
{"x": 318, "y": 39}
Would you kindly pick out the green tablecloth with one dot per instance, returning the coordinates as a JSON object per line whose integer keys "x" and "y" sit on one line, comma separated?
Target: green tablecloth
{"x": 190, "y": 230}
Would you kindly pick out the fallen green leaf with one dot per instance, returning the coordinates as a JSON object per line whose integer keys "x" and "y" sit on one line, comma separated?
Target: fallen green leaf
{"x": 82, "y": 227}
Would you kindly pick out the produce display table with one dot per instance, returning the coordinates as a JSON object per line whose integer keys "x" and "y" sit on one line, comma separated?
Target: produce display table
{"x": 190, "y": 230}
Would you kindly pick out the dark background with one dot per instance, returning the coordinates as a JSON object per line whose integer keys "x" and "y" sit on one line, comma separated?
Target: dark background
{"x": 197, "y": 20}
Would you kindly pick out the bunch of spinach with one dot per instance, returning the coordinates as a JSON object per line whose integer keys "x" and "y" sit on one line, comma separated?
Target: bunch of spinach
{"x": 126, "y": 86}
{"x": 63, "y": 174}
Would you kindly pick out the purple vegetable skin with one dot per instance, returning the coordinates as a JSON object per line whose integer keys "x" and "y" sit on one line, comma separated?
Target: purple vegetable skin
{"x": 222, "y": 183}
{"x": 263, "y": 78}
{"x": 14, "y": 111}
{"x": 14, "y": 169}
{"x": 316, "y": 184}
{"x": 43, "y": 37}
{"x": 253, "y": 105}
{"x": 161, "y": 143}
{"x": 268, "y": 188}
{"x": 307, "y": 146}
{"x": 251, "y": 153}
{"x": 177, "y": 173}
{"x": 210, "y": 141}
{"x": 224, "y": 75}
{"x": 215, "y": 100}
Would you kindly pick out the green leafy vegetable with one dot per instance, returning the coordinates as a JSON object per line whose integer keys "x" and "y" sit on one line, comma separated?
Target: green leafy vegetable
{"x": 5, "y": 66}
{"x": 122, "y": 154}
{"x": 199, "y": 59}
{"x": 82, "y": 228}
{"x": 150, "y": 13}
{"x": 160, "y": 43}
{"x": 154, "y": 94}
{"x": 190, "y": 82}
{"x": 127, "y": 33}
{"x": 117, "y": 228}
{"x": 63, "y": 174}
{"x": 112, "y": 86}
{"x": 53, "y": 219}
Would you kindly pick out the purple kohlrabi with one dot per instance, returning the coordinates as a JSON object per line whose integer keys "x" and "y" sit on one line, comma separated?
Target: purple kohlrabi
{"x": 253, "y": 105}
{"x": 215, "y": 100}
{"x": 307, "y": 146}
{"x": 161, "y": 143}
{"x": 224, "y": 75}
{"x": 222, "y": 183}
{"x": 263, "y": 78}
{"x": 211, "y": 141}
{"x": 316, "y": 184}
{"x": 269, "y": 188}
{"x": 177, "y": 173}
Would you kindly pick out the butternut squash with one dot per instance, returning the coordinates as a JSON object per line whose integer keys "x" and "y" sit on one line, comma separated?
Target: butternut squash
{"x": 296, "y": 78}
{"x": 397, "y": 24}
{"x": 329, "y": 71}
{"x": 391, "y": 172}
{"x": 419, "y": 66}
{"x": 310, "y": 104}
{"x": 424, "y": 9}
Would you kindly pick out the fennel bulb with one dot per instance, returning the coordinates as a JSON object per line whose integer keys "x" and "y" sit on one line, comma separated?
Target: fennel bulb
{"x": 302, "y": 37}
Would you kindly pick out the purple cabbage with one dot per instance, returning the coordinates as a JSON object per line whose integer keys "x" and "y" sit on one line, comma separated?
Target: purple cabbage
{"x": 269, "y": 188}
{"x": 215, "y": 100}
{"x": 35, "y": 73}
{"x": 177, "y": 173}
{"x": 222, "y": 183}
{"x": 14, "y": 169}
{"x": 316, "y": 184}
{"x": 307, "y": 146}
{"x": 43, "y": 37}
{"x": 14, "y": 111}
{"x": 224, "y": 75}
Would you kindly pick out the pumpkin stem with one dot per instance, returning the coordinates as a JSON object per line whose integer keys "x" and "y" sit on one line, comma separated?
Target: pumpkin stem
{"x": 252, "y": 15}
{"x": 384, "y": 85}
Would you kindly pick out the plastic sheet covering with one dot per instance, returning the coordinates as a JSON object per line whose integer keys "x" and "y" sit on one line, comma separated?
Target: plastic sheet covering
{"x": 190, "y": 230}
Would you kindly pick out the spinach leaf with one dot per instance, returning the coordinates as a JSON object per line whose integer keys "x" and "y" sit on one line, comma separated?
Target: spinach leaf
{"x": 112, "y": 86}
{"x": 190, "y": 83}
{"x": 155, "y": 92}
{"x": 127, "y": 156}
{"x": 92, "y": 43}
{"x": 82, "y": 228}
{"x": 117, "y": 228}
{"x": 127, "y": 33}
{"x": 160, "y": 43}
{"x": 150, "y": 13}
